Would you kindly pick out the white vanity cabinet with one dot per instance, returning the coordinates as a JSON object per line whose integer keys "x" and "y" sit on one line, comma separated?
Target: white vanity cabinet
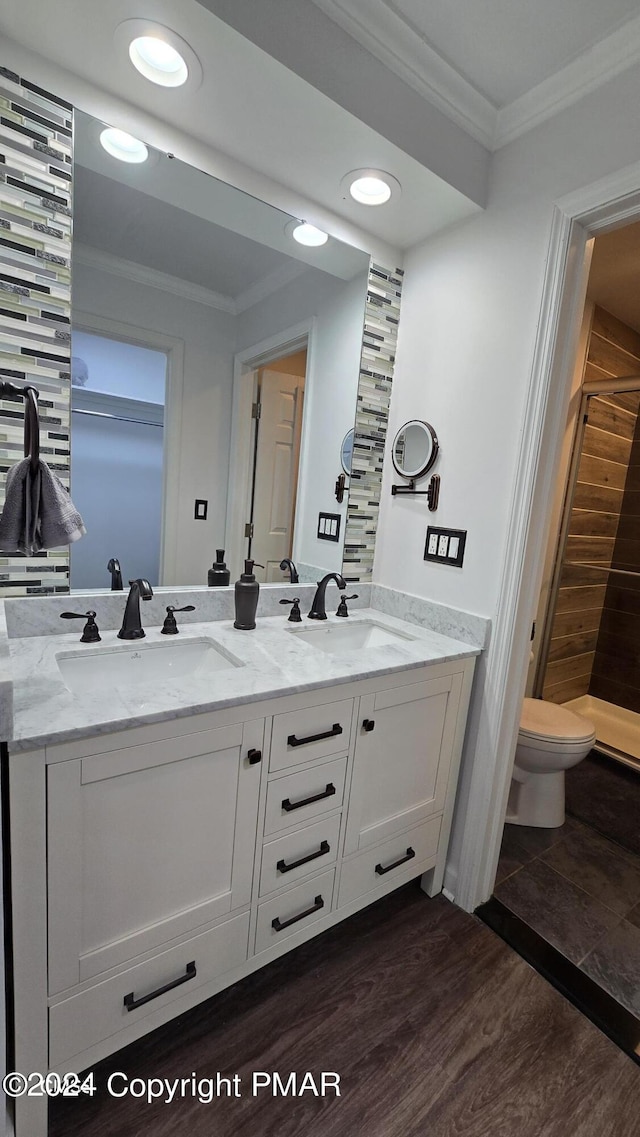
{"x": 154, "y": 866}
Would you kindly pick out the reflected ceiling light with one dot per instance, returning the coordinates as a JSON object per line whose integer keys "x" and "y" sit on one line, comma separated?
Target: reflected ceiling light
{"x": 371, "y": 187}
{"x": 309, "y": 235}
{"x": 158, "y": 61}
{"x": 123, "y": 146}
{"x": 159, "y": 54}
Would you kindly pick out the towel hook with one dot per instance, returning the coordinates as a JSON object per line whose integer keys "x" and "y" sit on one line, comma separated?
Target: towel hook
{"x": 31, "y": 427}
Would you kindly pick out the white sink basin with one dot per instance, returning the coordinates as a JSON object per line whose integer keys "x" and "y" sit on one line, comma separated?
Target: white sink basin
{"x": 335, "y": 639}
{"x": 135, "y": 663}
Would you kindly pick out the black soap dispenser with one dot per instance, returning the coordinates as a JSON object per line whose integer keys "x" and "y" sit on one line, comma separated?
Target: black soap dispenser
{"x": 219, "y": 575}
{"x": 247, "y": 591}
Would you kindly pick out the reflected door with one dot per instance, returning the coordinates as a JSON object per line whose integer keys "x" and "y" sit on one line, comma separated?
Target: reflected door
{"x": 276, "y": 470}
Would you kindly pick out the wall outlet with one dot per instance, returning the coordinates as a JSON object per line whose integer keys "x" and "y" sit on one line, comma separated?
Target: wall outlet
{"x": 445, "y": 545}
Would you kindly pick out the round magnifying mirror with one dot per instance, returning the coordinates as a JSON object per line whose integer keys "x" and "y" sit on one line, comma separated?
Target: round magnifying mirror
{"x": 415, "y": 449}
{"x": 346, "y": 452}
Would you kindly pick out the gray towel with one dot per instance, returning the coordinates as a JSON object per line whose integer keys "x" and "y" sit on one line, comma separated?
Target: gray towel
{"x": 38, "y": 512}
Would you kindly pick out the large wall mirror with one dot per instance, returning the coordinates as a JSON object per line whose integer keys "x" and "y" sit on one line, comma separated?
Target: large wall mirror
{"x": 215, "y": 366}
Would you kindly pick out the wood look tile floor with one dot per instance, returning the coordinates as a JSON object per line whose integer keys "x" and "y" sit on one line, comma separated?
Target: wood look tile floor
{"x": 436, "y": 1027}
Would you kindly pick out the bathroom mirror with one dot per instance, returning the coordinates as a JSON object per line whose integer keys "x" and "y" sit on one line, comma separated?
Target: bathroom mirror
{"x": 215, "y": 364}
{"x": 415, "y": 449}
{"x": 346, "y": 452}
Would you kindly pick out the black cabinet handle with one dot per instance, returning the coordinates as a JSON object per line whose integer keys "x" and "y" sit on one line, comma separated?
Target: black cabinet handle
{"x": 409, "y": 855}
{"x": 254, "y": 756}
{"x": 282, "y": 866}
{"x": 131, "y": 1003}
{"x": 368, "y": 725}
{"x": 279, "y": 925}
{"x": 335, "y": 729}
{"x": 288, "y": 805}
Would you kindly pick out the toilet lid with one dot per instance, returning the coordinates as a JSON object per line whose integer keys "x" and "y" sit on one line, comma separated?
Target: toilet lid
{"x": 549, "y": 720}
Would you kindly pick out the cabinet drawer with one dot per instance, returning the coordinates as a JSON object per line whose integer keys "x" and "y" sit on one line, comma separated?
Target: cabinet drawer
{"x": 313, "y": 732}
{"x": 309, "y": 793}
{"x": 382, "y": 864}
{"x": 290, "y": 858}
{"x": 100, "y": 1012}
{"x": 292, "y": 911}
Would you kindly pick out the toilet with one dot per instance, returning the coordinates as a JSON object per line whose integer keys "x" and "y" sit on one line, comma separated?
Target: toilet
{"x": 551, "y": 739}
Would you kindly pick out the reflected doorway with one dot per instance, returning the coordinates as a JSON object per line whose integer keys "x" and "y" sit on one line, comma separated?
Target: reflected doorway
{"x": 117, "y": 407}
{"x": 277, "y": 413}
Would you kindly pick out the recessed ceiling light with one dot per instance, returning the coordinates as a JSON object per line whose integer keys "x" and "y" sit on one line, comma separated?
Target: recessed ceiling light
{"x": 159, "y": 54}
{"x": 306, "y": 234}
{"x": 158, "y": 61}
{"x": 371, "y": 187}
{"x": 123, "y": 146}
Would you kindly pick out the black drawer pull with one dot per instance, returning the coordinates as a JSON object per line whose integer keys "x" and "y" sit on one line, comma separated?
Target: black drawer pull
{"x": 254, "y": 756}
{"x": 335, "y": 730}
{"x": 282, "y": 866}
{"x": 131, "y": 1003}
{"x": 288, "y": 805}
{"x": 409, "y": 855}
{"x": 368, "y": 725}
{"x": 279, "y": 925}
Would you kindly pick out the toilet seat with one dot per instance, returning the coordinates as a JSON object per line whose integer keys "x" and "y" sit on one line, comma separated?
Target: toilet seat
{"x": 544, "y": 724}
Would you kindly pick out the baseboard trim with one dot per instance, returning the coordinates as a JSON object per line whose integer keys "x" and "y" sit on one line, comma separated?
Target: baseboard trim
{"x": 614, "y": 1020}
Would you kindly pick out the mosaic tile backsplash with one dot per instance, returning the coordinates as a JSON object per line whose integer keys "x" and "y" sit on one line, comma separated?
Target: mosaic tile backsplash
{"x": 36, "y": 142}
{"x": 382, "y": 316}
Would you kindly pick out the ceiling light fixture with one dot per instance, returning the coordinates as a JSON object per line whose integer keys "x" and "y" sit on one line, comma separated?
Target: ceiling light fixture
{"x": 158, "y": 61}
{"x": 309, "y": 235}
{"x": 123, "y": 146}
{"x": 159, "y": 54}
{"x": 371, "y": 187}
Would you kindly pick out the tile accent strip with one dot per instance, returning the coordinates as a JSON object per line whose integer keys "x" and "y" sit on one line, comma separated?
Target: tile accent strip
{"x": 382, "y": 316}
{"x": 36, "y": 152}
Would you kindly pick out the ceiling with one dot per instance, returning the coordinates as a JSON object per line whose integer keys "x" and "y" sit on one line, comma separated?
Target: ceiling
{"x": 304, "y": 91}
{"x": 614, "y": 277}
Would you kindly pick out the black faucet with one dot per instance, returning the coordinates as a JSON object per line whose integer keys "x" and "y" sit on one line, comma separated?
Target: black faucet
{"x": 318, "y": 610}
{"x": 116, "y": 574}
{"x": 288, "y": 566}
{"x": 131, "y": 627}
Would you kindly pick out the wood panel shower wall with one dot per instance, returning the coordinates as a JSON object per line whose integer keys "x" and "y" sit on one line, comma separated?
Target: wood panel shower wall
{"x": 614, "y": 351}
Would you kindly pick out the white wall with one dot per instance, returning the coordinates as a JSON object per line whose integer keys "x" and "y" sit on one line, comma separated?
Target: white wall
{"x": 209, "y": 343}
{"x": 469, "y": 322}
{"x": 330, "y": 391}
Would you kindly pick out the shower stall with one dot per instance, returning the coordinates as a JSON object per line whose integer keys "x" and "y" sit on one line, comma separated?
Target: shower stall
{"x": 590, "y": 653}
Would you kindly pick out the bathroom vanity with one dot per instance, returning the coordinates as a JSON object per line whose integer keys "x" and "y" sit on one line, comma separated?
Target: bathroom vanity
{"x": 202, "y": 827}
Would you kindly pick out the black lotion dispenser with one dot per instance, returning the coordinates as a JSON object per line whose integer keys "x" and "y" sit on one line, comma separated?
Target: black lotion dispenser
{"x": 219, "y": 575}
{"x": 247, "y": 592}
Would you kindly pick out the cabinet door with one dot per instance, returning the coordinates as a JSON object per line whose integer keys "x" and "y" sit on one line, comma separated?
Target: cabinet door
{"x": 148, "y": 843}
{"x": 403, "y": 753}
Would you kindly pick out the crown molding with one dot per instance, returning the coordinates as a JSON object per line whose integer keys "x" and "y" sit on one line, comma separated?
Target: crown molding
{"x": 397, "y": 43}
{"x": 589, "y": 71}
{"x": 273, "y": 281}
{"x": 151, "y": 277}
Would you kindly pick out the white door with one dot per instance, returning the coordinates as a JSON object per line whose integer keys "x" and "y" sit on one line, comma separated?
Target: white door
{"x": 276, "y": 470}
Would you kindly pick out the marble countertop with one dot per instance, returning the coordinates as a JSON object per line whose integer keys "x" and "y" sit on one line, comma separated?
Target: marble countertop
{"x": 273, "y": 661}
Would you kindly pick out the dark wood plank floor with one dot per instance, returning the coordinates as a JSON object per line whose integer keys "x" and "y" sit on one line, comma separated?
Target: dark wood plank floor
{"x": 437, "y": 1028}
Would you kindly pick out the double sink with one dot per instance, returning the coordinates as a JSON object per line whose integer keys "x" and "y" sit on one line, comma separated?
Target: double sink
{"x": 129, "y": 665}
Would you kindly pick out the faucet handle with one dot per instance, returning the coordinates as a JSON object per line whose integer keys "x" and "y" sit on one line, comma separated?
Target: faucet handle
{"x": 294, "y": 615}
{"x": 90, "y": 632}
{"x": 342, "y": 606}
{"x": 170, "y": 626}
